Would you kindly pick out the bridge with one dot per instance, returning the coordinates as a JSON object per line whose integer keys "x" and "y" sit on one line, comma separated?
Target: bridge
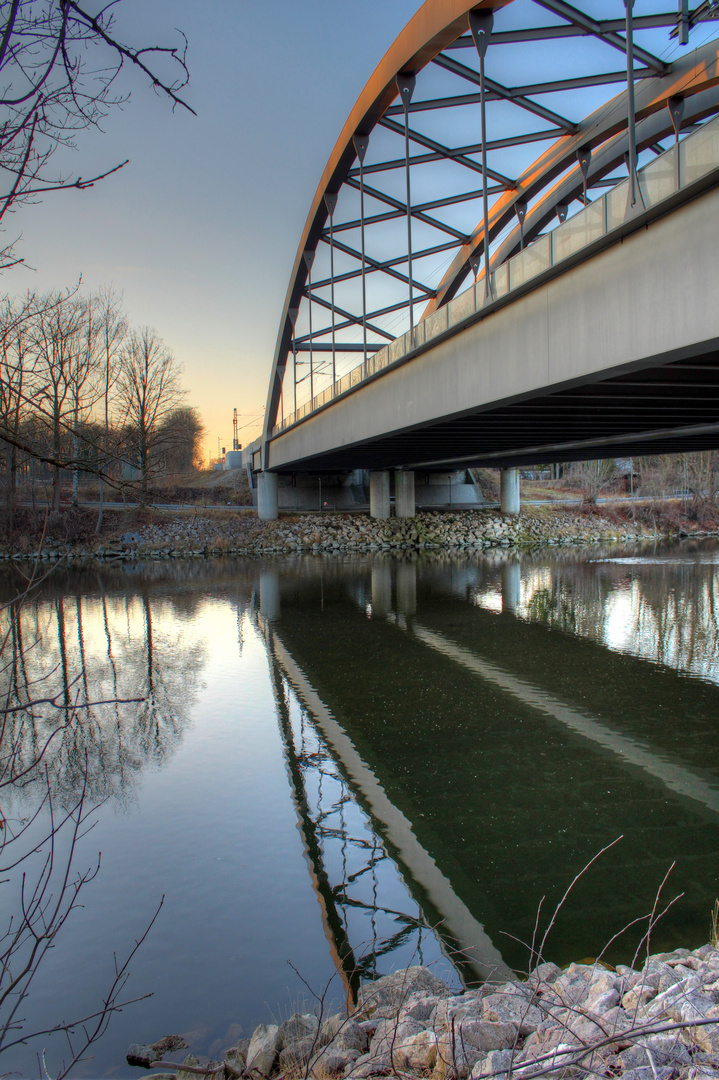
{"x": 506, "y": 261}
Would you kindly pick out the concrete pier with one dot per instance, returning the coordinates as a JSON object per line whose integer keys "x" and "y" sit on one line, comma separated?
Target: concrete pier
{"x": 379, "y": 494}
{"x": 267, "y": 496}
{"x": 509, "y": 491}
{"x": 404, "y": 494}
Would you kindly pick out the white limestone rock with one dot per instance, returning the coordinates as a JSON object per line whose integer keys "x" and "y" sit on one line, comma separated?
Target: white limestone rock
{"x": 264, "y": 1048}
{"x": 393, "y": 991}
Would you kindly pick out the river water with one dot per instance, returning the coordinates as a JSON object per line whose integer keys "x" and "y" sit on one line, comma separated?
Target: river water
{"x": 341, "y": 766}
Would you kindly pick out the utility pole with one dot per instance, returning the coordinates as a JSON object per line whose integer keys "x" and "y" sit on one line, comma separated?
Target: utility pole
{"x": 235, "y": 440}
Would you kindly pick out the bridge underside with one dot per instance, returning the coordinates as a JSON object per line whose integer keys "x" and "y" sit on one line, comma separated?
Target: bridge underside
{"x": 665, "y": 408}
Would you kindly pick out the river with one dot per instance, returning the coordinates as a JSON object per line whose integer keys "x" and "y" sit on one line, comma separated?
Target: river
{"x": 333, "y": 767}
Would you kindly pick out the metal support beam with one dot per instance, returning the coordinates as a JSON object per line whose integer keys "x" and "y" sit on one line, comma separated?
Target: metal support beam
{"x": 293, "y": 313}
{"x": 631, "y": 125}
{"x": 406, "y": 85}
{"x": 480, "y": 24}
{"x": 331, "y": 204}
{"x": 683, "y": 23}
{"x": 361, "y": 143}
{"x": 309, "y": 259}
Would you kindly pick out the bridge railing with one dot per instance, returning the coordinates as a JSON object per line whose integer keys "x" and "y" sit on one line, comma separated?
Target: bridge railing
{"x": 680, "y": 167}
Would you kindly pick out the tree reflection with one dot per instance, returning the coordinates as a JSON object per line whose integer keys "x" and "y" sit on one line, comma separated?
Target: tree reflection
{"x": 122, "y": 676}
{"x": 660, "y": 610}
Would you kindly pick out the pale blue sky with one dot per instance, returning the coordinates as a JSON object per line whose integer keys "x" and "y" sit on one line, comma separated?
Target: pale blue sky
{"x": 200, "y": 230}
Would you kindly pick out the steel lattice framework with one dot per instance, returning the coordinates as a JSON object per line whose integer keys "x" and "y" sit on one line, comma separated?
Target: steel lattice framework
{"x": 372, "y": 921}
{"x": 493, "y": 120}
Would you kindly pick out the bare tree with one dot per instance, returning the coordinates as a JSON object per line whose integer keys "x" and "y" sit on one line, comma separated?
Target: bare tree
{"x": 112, "y": 332}
{"x": 58, "y": 328}
{"x": 15, "y": 373}
{"x": 148, "y": 389}
{"x": 59, "y": 65}
{"x": 39, "y": 852}
{"x": 85, "y": 386}
{"x": 180, "y": 439}
{"x": 593, "y": 477}
{"x": 701, "y": 471}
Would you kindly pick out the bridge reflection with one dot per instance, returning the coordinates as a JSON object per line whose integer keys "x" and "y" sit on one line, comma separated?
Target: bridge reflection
{"x": 511, "y": 750}
{"x": 363, "y": 854}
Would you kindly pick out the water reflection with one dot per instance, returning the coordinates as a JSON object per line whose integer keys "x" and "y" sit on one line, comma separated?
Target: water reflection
{"x": 318, "y": 751}
{"x": 115, "y": 680}
{"x": 454, "y": 737}
{"x": 517, "y": 752}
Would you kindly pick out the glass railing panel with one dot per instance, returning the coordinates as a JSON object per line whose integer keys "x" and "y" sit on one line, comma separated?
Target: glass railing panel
{"x": 657, "y": 180}
{"x": 578, "y": 232}
{"x": 461, "y": 307}
{"x": 534, "y": 260}
{"x": 500, "y": 281}
{"x": 397, "y": 349}
{"x": 699, "y": 153}
{"x": 356, "y": 375}
{"x": 381, "y": 358}
{"x": 418, "y": 335}
{"x": 435, "y": 324}
{"x": 616, "y": 201}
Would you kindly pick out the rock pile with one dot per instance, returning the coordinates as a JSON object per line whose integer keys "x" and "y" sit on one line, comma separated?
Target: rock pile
{"x": 224, "y": 533}
{"x": 657, "y": 1023}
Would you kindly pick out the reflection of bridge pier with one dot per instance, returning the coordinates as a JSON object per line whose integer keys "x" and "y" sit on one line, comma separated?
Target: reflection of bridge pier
{"x": 392, "y": 577}
{"x": 382, "y": 588}
{"x": 270, "y": 594}
{"x": 511, "y": 587}
{"x": 406, "y": 588}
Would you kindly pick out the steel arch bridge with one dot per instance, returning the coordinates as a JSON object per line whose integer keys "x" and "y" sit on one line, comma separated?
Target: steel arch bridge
{"x": 484, "y": 128}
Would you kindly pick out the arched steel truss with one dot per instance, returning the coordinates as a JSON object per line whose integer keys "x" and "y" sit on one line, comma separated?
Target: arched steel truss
{"x": 435, "y": 142}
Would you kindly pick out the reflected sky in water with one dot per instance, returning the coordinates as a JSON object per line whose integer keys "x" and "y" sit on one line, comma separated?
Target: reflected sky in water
{"x": 341, "y": 766}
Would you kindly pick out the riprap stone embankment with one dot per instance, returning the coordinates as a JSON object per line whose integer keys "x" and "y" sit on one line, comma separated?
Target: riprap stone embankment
{"x": 658, "y": 1021}
{"x": 224, "y": 533}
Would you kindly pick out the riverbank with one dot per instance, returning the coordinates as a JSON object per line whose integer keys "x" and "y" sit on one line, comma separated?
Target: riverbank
{"x": 657, "y": 1021}
{"x": 157, "y": 534}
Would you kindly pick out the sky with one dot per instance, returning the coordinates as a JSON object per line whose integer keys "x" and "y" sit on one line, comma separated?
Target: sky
{"x": 200, "y": 230}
